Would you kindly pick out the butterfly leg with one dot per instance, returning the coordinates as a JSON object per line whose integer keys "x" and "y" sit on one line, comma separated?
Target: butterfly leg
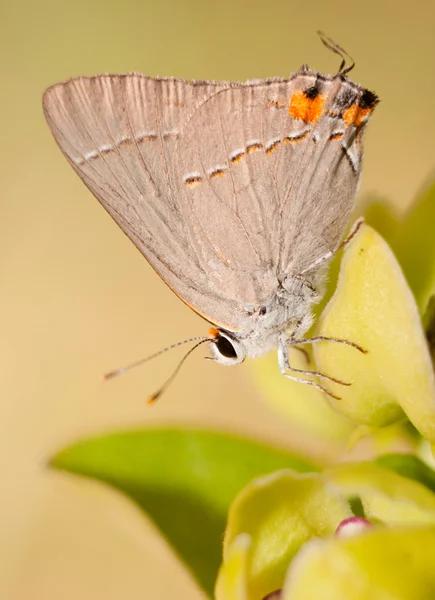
{"x": 330, "y": 254}
{"x": 302, "y": 326}
{"x": 306, "y": 372}
{"x": 322, "y": 338}
{"x": 284, "y": 366}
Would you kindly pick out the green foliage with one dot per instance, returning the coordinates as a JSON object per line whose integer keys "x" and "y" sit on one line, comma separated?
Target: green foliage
{"x": 409, "y": 466}
{"x": 185, "y": 480}
{"x": 415, "y": 248}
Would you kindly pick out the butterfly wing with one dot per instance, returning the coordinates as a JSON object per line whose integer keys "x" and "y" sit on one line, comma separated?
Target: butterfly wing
{"x": 320, "y": 189}
{"x": 121, "y": 135}
{"x": 271, "y": 169}
{"x": 222, "y": 187}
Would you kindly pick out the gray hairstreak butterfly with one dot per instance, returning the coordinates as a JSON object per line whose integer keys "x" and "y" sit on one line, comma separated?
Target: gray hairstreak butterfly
{"x": 237, "y": 194}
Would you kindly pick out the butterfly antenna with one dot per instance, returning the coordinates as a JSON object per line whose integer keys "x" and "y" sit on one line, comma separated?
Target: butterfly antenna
{"x": 334, "y": 47}
{"x": 132, "y": 365}
{"x": 151, "y": 399}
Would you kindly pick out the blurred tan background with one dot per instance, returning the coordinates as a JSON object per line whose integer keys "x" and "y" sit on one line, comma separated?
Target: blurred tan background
{"x": 77, "y": 299}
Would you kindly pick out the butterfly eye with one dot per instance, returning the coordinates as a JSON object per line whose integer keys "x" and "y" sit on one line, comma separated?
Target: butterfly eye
{"x": 262, "y": 311}
{"x": 225, "y": 347}
{"x": 227, "y": 350}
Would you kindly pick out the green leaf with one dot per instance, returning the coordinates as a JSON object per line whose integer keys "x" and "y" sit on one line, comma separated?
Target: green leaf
{"x": 414, "y": 247}
{"x": 379, "y": 564}
{"x": 409, "y": 466}
{"x": 373, "y": 307}
{"x": 279, "y": 513}
{"x": 184, "y": 480}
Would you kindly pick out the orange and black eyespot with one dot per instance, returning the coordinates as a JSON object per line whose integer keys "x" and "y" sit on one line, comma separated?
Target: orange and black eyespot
{"x": 307, "y": 105}
{"x": 359, "y": 111}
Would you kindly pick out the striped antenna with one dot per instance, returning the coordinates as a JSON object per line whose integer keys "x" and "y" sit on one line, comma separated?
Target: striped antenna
{"x": 124, "y": 369}
{"x": 151, "y": 399}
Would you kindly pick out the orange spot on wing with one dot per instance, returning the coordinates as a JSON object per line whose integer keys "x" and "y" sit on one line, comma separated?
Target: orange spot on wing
{"x": 355, "y": 115}
{"x": 217, "y": 173}
{"x": 254, "y": 147}
{"x": 237, "y": 157}
{"x": 336, "y": 136}
{"x": 272, "y": 147}
{"x": 213, "y": 332}
{"x": 306, "y": 109}
{"x": 296, "y": 139}
{"x": 193, "y": 180}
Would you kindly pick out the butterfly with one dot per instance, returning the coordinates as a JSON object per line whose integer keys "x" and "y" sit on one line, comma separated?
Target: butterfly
{"x": 237, "y": 194}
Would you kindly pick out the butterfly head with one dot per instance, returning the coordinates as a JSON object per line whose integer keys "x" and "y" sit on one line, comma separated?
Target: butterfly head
{"x": 229, "y": 348}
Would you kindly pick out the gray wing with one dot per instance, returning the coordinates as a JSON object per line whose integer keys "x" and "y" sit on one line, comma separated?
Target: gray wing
{"x": 210, "y": 181}
{"x": 121, "y": 135}
{"x": 321, "y": 188}
{"x": 272, "y": 171}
